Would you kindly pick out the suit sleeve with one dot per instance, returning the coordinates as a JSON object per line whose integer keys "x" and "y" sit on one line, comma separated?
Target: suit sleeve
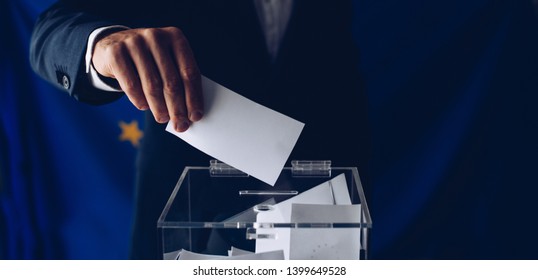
{"x": 58, "y": 46}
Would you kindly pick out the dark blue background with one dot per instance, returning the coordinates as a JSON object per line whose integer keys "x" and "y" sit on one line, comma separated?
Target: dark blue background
{"x": 452, "y": 89}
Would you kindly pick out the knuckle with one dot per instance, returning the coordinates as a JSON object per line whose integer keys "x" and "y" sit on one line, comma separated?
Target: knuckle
{"x": 134, "y": 40}
{"x": 172, "y": 85}
{"x": 154, "y": 92}
{"x": 115, "y": 50}
{"x": 174, "y": 31}
{"x": 154, "y": 86}
{"x": 178, "y": 39}
{"x": 155, "y": 34}
{"x": 148, "y": 31}
{"x": 190, "y": 74}
{"x": 130, "y": 87}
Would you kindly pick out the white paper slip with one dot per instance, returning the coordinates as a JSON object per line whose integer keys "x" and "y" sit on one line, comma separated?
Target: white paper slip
{"x": 332, "y": 192}
{"x": 242, "y": 133}
{"x": 273, "y": 255}
{"x": 330, "y": 243}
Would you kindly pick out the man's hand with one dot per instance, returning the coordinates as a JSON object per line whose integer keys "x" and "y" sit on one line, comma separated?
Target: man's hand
{"x": 156, "y": 69}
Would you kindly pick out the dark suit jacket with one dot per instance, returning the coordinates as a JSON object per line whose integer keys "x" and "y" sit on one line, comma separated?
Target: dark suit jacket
{"x": 314, "y": 80}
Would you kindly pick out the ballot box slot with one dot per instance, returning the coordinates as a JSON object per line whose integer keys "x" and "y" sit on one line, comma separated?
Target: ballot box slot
{"x": 268, "y": 192}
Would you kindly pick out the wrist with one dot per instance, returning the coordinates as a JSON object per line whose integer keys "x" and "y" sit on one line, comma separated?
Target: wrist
{"x": 96, "y": 79}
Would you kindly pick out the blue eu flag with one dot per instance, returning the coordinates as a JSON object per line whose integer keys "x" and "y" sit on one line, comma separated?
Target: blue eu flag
{"x": 66, "y": 168}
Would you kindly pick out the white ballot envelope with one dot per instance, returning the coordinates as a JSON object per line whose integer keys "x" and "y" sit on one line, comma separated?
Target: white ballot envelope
{"x": 242, "y": 133}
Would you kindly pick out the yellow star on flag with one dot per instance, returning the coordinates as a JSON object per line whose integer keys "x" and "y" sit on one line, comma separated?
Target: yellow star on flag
{"x": 130, "y": 132}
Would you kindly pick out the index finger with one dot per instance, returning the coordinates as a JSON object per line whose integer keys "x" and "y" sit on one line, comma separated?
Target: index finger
{"x": 190, "y": 75}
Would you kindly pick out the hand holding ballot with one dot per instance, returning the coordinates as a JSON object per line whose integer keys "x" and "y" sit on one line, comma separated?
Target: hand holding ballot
{"x": 156, "y": 69}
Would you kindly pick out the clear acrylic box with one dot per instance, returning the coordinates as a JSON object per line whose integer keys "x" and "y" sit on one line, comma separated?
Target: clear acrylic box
{"x": 215, "y": 208}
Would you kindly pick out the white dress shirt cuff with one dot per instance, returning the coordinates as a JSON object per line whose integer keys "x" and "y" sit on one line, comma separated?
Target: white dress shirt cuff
{"x": 93, "y": 76}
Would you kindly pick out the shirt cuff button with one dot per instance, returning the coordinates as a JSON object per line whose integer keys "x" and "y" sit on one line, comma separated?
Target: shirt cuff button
{"x": 65, "y": 82}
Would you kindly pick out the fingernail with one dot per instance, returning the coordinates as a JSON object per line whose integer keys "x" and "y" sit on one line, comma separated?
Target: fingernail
{"x": 196, "y": 116}
{"x": 141, "y": 106}
{"x": 182, "y": 126}
{"x": 163, "y": 119}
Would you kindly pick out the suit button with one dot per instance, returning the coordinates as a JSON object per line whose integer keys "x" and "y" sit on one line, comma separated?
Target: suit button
{"x": 65, "y": 82}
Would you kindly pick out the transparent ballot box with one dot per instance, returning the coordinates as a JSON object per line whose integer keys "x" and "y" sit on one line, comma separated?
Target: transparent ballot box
{"x": 314, "y": 211}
